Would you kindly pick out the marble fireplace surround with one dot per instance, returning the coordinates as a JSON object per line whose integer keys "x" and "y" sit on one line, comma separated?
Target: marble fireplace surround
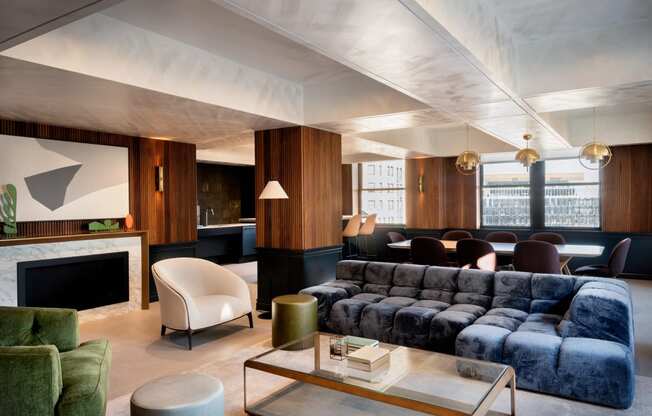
{"x": 15, "y": 250}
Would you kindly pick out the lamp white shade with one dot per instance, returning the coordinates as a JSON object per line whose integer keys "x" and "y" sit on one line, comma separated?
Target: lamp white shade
{"x": 273, "y": 190}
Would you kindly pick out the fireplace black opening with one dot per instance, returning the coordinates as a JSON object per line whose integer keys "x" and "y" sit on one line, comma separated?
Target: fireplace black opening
{"x": 81, "y": 282}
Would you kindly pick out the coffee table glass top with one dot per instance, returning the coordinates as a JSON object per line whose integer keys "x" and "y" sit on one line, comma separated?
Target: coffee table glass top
{"x": 414, "y": 378}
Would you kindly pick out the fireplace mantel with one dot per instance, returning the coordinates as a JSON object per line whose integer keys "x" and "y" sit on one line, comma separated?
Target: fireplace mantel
{"x": 144, "y": 246}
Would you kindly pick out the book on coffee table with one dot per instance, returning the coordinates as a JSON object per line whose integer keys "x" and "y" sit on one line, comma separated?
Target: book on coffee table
{"x": 368, "y": 358}
{"x": 355, "y": 343}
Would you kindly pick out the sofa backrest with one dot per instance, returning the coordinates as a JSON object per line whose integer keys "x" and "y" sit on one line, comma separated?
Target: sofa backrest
{"x": 24, "y": 326}
{"x": 592, "y": 307}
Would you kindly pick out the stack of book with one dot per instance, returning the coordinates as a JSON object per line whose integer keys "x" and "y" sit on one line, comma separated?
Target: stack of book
{"x": 368, "y": 358}
{"x": 355, "y": 343}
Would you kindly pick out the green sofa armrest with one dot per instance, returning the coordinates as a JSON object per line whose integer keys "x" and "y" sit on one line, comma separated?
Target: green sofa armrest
{"x": 39, "y": 326}
{"x": 30, "y": 380}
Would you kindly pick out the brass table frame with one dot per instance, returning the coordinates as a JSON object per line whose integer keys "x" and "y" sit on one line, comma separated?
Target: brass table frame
{"x": 507, "y": 378}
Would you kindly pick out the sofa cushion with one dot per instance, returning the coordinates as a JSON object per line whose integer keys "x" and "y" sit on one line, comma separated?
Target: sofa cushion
{"x": 376, "y": 289}
{"x": 399, "y": 301}
{"x": 440, "y": 284}
{"x": 534, "y": 357}
{"x": 351, "y": 288}
{"x": 377, "y": 320}
{"x": 482, "y": 342}
{"x": 445, "y": 326}
{"x": 39, "y": 326}
{"x": 597, "y": 371}
{"x": 369, "y": 297}
{"x": 551, "y": 293}
{"x": 85, "y": 373}
{"x": 408, "y": 279}
{"x": 345, "y": 316}
{"x": 505, "y": 322}
{"x": 512, "y": 290}
{"x": 379, "y": 273}
{"x": 352, "y": 270}
{"x": 542, "y": 323}
{"x": 326, "y": 298}
{"x": 431, "y": 304}
{"x": 412, "y": 326}
{"x": 475, "y": 287}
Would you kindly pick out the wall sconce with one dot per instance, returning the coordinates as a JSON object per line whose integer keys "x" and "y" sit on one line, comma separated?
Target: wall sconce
{"x": 159, "y": 178}
{"x": 420, "y": 184}
{"x": 273, "y": 190}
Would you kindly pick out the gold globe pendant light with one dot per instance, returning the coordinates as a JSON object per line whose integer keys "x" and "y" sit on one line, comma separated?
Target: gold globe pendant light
{"x": 527, "y": 157}
{"x": 595, "y": 155}
{"x": 468, "y": 161}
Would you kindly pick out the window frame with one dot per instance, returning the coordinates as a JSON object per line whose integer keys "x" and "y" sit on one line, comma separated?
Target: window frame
{"x": 537, "y": 187}
{"x": 362, "y": 189}
{"x": 543, "y": 191}
{"x": 481, "y": 186}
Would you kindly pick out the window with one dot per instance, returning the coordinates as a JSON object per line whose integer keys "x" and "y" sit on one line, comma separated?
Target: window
{"x": 384, "y": 196}
{"x": 572, "y": 195}
{"x": 505, "y": 195}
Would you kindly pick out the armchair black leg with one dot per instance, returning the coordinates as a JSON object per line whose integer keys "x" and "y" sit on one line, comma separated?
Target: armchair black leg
{"x": 189, "y": 333}
{"x": 250, "y": 315}
{"x": 163, "y": 330}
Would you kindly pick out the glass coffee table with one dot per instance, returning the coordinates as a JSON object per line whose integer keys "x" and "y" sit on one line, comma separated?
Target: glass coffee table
{"x": 415, "y": 382}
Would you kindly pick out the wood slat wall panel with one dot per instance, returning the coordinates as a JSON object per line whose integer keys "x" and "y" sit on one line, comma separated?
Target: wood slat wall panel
{"x": 322, "y": 188}
{"x": 146, "y": 205}
{"x": 307, "y": 163}
{"x": 347, "y": 189}
{"x": 627, "y": 190}
{"x": 448, "y": 199}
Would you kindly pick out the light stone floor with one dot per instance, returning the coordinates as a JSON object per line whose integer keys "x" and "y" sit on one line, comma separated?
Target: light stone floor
{"x": 140, "y": 355}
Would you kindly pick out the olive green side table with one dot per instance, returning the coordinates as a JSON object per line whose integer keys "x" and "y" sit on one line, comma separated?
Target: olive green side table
{"x": 293, "y": 317}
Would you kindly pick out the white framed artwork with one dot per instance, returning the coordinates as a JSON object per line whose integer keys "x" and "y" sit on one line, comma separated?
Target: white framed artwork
{"x": 60, "y": 180}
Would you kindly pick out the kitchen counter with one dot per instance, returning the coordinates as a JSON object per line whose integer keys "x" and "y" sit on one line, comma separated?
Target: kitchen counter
{"x": 235, "y": 224}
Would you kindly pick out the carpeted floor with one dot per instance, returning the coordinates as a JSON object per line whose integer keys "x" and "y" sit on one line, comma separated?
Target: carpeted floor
{"x": 140, "y": 355}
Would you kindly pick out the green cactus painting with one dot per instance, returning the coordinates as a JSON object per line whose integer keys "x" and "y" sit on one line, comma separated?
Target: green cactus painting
{"x": 106, "y": 225}
{"x": 8, "y": 209}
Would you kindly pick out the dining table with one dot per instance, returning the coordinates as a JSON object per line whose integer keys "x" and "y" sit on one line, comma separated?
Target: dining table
{"x": 566, "y": 251}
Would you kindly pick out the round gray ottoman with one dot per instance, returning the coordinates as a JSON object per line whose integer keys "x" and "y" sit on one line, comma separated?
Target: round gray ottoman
{"x": 179, "y": 395}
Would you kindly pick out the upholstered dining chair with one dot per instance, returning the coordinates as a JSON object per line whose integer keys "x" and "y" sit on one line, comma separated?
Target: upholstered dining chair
{"x": 536, "y": 257}
{"x": 350, "y": 235}
{"x": 502, "y": 237}
{"x": 366, "y": 233}
{"x": 475, "y": 254}
{"x": 395, "y": 254}
{"x": 428, "y": 251}
{"x": 455, "y": 235}
{"x": 502, "y": 260}
{"x": 615, "y": 266}
{"x": 557, "y": 239}
{"x": 195, "y": 294}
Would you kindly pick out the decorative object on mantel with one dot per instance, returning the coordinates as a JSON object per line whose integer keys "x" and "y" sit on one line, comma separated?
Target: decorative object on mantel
{"x": 107, "y": 225}
{"x": 129, "y": 222}
{"x": 527, "y": 156}
{"x": 273, "y": 190}
{"x": 595, "y": 155}
{"x": 8, "y": 200}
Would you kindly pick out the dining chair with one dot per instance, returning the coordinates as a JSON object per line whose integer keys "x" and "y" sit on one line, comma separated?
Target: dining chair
{"x": 536, "y": 257}
{"x": 615, "y": 266}
{"x": 396, "y": 255}
{"x": 455, "y": 235}
{"x": 473, "y": 253}
{"x": 502, "y": 237}
{"x": 366, "y": 233}
{"x": 350, "y": 235}
{"x": 554, "y": 238}
{"x": 428, "y": 251}
{"x": 502, "y": 260}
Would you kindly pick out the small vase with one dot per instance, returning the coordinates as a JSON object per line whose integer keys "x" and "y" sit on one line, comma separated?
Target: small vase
{"x": 129, "y": 222}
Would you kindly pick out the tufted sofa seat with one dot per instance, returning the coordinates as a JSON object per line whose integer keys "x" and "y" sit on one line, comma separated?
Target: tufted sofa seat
{"x": 570, "y": 336}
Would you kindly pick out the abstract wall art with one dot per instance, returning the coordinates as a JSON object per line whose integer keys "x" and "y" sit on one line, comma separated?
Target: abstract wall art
{"x": 60, "y": 180}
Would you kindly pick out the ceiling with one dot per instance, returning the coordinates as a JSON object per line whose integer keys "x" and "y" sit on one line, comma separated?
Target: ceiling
{"x": 397, "y": 78}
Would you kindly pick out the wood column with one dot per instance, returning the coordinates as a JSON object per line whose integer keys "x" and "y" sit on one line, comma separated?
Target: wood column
{"x": 299, "y": 238}
{"x": 347, "y": 189}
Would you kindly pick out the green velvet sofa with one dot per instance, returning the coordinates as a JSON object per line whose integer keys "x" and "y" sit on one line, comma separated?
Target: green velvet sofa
{"x": 43, "y": 368}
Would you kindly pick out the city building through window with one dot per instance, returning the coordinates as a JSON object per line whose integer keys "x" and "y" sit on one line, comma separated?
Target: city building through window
{"x": 505, "y": 195}
{"x": 382, "y": 190}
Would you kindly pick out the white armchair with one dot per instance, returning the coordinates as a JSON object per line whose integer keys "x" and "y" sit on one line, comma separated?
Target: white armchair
{"x": 196, "y": 294}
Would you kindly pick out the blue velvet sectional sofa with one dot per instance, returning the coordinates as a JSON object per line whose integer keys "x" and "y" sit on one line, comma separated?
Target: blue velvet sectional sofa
{"x": 569, "y": 336}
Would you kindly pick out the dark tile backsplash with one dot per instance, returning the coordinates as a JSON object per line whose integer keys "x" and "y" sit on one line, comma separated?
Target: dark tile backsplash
{"x": 229, "y": 190}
